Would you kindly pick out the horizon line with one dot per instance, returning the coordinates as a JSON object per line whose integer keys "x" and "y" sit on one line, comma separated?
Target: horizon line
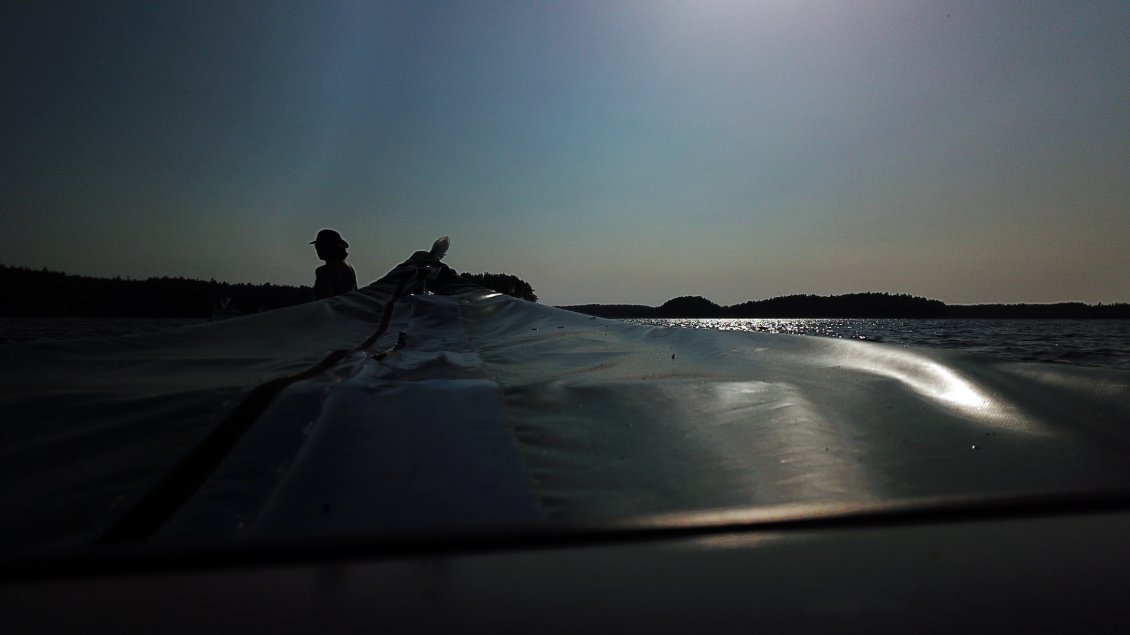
{"x": 574, "y": 304}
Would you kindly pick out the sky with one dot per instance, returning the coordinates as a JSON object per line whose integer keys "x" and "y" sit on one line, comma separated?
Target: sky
{"x": 604, "y": 151}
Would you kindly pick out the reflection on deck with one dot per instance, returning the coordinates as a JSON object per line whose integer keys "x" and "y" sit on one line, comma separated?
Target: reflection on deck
{"x": 942, "y": 384}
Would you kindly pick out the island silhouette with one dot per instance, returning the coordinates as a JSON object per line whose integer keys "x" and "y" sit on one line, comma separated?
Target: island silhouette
{"x": 852, "y": 305}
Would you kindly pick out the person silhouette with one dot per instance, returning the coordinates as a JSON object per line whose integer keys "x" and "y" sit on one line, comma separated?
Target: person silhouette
{"x": 336, "y": 276}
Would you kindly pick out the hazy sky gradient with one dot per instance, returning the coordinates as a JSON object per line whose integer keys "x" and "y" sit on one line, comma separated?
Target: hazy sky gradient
{"x": 603, "y": 151}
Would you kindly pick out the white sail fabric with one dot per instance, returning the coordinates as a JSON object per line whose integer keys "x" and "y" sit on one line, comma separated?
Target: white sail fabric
{"x": 496, "y": 412}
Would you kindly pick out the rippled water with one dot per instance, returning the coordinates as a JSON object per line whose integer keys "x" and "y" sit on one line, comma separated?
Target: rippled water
{"x": 1104, "y": 343}
{"x": 40, "y": 329}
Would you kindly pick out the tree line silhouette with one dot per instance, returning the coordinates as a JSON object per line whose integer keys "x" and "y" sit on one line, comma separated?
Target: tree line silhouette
{"x": 503, "y": 283}
{"x": 43, "y": 293}
{"x": 853, "y": 305}
{"x": 26, "y": 292}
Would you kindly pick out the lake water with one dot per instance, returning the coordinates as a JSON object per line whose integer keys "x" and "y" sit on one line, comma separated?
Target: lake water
{"x": 1104, "y": 343}
{"x": 39, "y": 329}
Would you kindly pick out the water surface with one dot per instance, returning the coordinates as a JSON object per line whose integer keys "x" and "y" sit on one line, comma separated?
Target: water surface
{"x": 1104, "y": 343}
{"x": 52, "y": 329}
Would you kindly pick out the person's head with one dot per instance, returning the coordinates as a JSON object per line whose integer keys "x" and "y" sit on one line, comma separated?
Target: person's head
{"x": 330, "y": 245}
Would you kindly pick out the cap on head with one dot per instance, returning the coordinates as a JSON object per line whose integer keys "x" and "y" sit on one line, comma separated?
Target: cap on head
{"x": 329, "y": 238}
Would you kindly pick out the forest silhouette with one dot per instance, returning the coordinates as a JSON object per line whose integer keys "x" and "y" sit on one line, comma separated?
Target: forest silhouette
{"x": 852, "y": 305}
{"x": 42, "y": 293}
{"x": 503, "y": 283}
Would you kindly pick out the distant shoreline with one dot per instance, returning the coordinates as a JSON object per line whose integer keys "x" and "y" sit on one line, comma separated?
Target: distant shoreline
{"x": 854, "y": 305}
{"x": 42, "y": 293}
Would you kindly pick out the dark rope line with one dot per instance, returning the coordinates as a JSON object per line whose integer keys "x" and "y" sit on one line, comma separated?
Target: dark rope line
{"x": 156, "y": 508}
{"x": 386, "y": 317}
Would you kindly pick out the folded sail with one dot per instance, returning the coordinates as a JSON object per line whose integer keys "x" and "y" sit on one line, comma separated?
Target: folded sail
{"x": 391, "y": 411}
